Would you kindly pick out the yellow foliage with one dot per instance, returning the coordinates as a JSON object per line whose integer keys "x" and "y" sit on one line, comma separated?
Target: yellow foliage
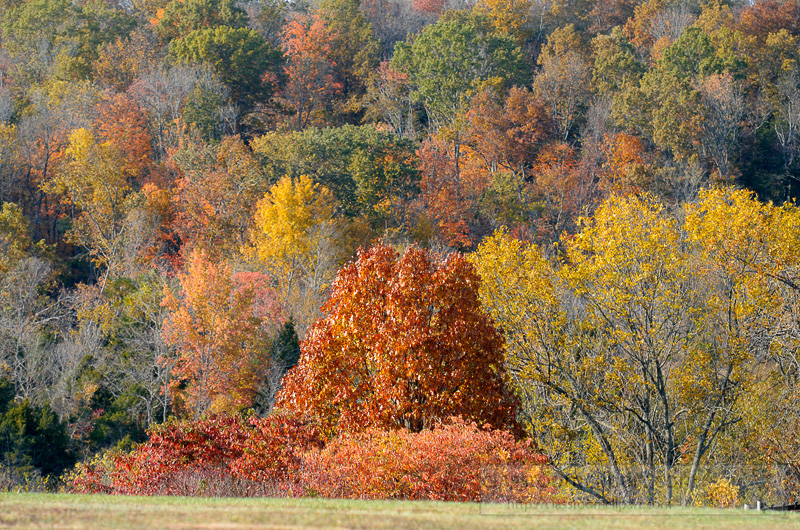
{"x": 508, "y": 16}
{"x": 81, "y": 142}
{"x": 97, "y": 180}
{"x": 298, "y": 237}
{"x": 288, "y": 217}
{"x": 719, "y": 494}
{"x": 649, "y": 322}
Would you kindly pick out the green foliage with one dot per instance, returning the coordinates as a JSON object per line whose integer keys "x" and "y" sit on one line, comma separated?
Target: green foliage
{"x": 286, "y": 347}
{"x": 615, "y": 63}
{"x": 453, "y": 59}
{"x": 354, "y": 48}
{"x": 6, "y": 394}
{"x": 367, "y": 170}
{"x": 60, "y": 37}
{"x": 239, "y": 56}
{"x": 182, "y": 17}
{"x": 695, "y": 54}
{"x": 32, "y": 438}
{"x": 202, "y": 112}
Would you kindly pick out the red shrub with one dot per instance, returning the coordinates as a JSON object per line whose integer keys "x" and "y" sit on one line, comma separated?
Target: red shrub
{"x": 455, "y": 462}
{"x": 284, "y": 456}
{"x": 222, "y": 455}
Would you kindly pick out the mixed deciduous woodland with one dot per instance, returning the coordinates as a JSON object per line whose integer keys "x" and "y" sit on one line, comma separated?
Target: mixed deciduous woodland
{"x": 519, "y": 250}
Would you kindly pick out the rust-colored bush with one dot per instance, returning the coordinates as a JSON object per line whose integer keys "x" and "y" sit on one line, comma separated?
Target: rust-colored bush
{"x": 283, "y": 456}
{"x": 451, "y": 462}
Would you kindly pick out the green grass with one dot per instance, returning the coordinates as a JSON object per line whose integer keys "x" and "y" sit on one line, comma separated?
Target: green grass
{"x": 37, "y": 510}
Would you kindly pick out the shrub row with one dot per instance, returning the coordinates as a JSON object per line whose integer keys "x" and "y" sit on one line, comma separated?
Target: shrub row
{"x": 282, "y": 455}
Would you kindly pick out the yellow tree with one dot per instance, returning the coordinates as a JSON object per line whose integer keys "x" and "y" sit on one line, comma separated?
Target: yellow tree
{"x": 634, "y": 351}
{"x": 749, "y": 254}
{"x": 298, "y": 238}
{"x": 515, "y": 17}
{"x": 114, "y": 222}
{"x": 581, "y": 351}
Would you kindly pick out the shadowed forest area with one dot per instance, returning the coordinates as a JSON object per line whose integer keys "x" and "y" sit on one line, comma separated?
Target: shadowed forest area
{"x": 528, "y": 250}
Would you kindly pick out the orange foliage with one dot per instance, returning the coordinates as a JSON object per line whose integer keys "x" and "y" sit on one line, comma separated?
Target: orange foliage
{"x": 309, "y": 71}
{"x": 216, "y": 196}
{"x": 283, "y": 456}
{"x": 221, "y": 325}
{"x": 507, "y": 136}
{"x": 404, "y": 343}
{"x": 452, "y": 462}
{"x": 498, "y": 136}
{"x": 561, "y": 187}
{"x": 121, "y": 123}
{"x": 625, "y": 165}
{"x": 770, "y": 16}
{"x": 449, "y": 196}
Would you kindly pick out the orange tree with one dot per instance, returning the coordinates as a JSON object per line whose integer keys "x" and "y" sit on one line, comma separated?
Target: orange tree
{"x": 404, "y": 342}
{"x": 220, "y": 324}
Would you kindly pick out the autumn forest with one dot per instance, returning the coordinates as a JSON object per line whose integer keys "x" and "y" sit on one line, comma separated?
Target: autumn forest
{"x": 493, "y": 250}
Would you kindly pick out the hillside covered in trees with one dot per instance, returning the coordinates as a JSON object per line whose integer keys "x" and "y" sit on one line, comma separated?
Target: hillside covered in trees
{"x": 344, "y": 225}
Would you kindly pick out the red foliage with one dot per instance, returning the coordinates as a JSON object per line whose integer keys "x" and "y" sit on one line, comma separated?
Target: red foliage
{"x": 221, "y": 455}
{"x": 429, "y": 7}
{"x": 284, "y": 456}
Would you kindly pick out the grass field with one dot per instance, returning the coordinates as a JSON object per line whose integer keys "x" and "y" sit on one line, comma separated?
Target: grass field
{"x": 96, "y": 511}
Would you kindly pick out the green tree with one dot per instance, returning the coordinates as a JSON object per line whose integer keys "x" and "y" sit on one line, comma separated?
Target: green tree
{"x": 353, "y": 50}
{"x": 47, "y": 37}
{"x": 182, "y": 17}
{"x": 615, "y": 63}
{"x": 371, "y": 173}
{"x": 453, "y": 59}
{"x": 31, "y": 438}
{"x": 239, "y": 56}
